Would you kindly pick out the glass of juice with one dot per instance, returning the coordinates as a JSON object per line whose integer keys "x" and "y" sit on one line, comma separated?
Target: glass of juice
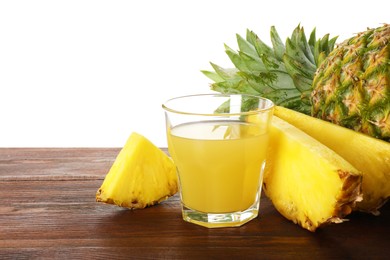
{"x": 218, "y": 143}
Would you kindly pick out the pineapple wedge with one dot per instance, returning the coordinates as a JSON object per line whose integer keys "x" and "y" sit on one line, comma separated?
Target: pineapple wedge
{"x": 142, "y": 175}
{"x": 306, "y": 181}
{"x": 369, "y": 155}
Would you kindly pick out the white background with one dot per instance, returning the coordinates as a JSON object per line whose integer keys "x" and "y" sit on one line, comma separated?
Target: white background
{"x": 88, "y": 73}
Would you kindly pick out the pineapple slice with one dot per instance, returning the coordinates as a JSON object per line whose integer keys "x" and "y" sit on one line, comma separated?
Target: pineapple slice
{"x": 306, "y": 181}
{"x": 370, "y": 155}
{"x": 142, "y": 175}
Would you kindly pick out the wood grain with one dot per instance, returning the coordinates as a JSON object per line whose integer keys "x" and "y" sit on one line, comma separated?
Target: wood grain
{"x": 48, "y": 211}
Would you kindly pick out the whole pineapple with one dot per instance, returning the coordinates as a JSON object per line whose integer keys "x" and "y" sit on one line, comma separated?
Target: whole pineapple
{"x": 348, "y": 85}
{"x": 352, "y": 86}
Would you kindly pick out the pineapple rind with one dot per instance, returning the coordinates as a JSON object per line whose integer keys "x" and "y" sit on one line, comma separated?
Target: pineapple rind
{"x": 142, "y": 175}
{"x": 351, "y": 87}
{"x": 307, "y": 182}
{"x": 370, "y": 155}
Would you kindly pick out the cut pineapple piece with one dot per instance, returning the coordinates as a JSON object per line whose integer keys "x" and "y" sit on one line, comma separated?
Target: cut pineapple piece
{"x": 306, "y": 181}
{"x": 142, "y": 175}
{"x": 369, "y": 155}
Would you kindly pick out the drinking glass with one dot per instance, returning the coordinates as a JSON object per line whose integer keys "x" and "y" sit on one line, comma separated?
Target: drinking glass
{"x": 218, "y": 143}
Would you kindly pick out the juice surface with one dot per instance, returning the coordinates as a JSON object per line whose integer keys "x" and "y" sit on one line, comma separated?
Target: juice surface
{"x": 219, "y": 164}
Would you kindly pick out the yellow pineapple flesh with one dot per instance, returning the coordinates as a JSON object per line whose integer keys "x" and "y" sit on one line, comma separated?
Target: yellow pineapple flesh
{"x": 307, "y": 182}
{"x": 141, "y": 175}
{"x": 369, "y": 155}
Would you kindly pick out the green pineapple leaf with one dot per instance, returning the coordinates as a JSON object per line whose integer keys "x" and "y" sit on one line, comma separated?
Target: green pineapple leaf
{"x": 283, "y": 73}
{"x": 303, "y": 64}
{"x": 300, "y": 41}
{"x": 278, "y": 45}
{"x": 246, "y": 47}
{"x": 312, "y": 41}
{"x": 224, "y": 73}
{"x": 322, "y": 48}
{"x": 254, "y": 66}
{"x": 212, "y": 75}
{"x": 235, "y": 59}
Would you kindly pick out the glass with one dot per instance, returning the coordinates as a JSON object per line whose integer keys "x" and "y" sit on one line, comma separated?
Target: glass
{"x": 219, "y": 143}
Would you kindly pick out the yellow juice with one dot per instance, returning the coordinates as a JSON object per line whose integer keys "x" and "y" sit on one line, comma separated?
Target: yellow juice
{"x": 219, "y": 164}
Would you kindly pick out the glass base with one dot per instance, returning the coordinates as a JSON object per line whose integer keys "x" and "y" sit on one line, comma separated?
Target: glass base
{"x": 217, "y": 220}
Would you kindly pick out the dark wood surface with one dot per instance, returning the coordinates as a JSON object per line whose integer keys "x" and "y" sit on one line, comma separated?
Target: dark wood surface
{"x": 48, "y": 210}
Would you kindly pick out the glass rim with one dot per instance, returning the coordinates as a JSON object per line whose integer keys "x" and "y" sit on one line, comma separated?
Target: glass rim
{"x": 251, "y": 112}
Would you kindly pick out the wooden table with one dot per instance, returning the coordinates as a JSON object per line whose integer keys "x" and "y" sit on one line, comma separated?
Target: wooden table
{"x": 48, "y": 210}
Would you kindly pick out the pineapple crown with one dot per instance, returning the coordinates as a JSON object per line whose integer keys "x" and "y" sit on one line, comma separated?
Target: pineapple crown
{"x": 282, "y": 73}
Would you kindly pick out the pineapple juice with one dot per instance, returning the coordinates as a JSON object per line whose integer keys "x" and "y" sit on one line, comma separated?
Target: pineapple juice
{"x": 219, "y": 164}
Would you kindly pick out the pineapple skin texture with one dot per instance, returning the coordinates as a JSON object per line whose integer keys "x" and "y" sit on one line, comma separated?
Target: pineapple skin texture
{"x": 307, "y": 182}
{"x": 142, "y": 175}
{"x": 369, "y": 155}
{"x": 351, "y": 87}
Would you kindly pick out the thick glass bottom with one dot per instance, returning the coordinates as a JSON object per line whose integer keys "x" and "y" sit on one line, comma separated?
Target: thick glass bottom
{"x": 217, "y": 220}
